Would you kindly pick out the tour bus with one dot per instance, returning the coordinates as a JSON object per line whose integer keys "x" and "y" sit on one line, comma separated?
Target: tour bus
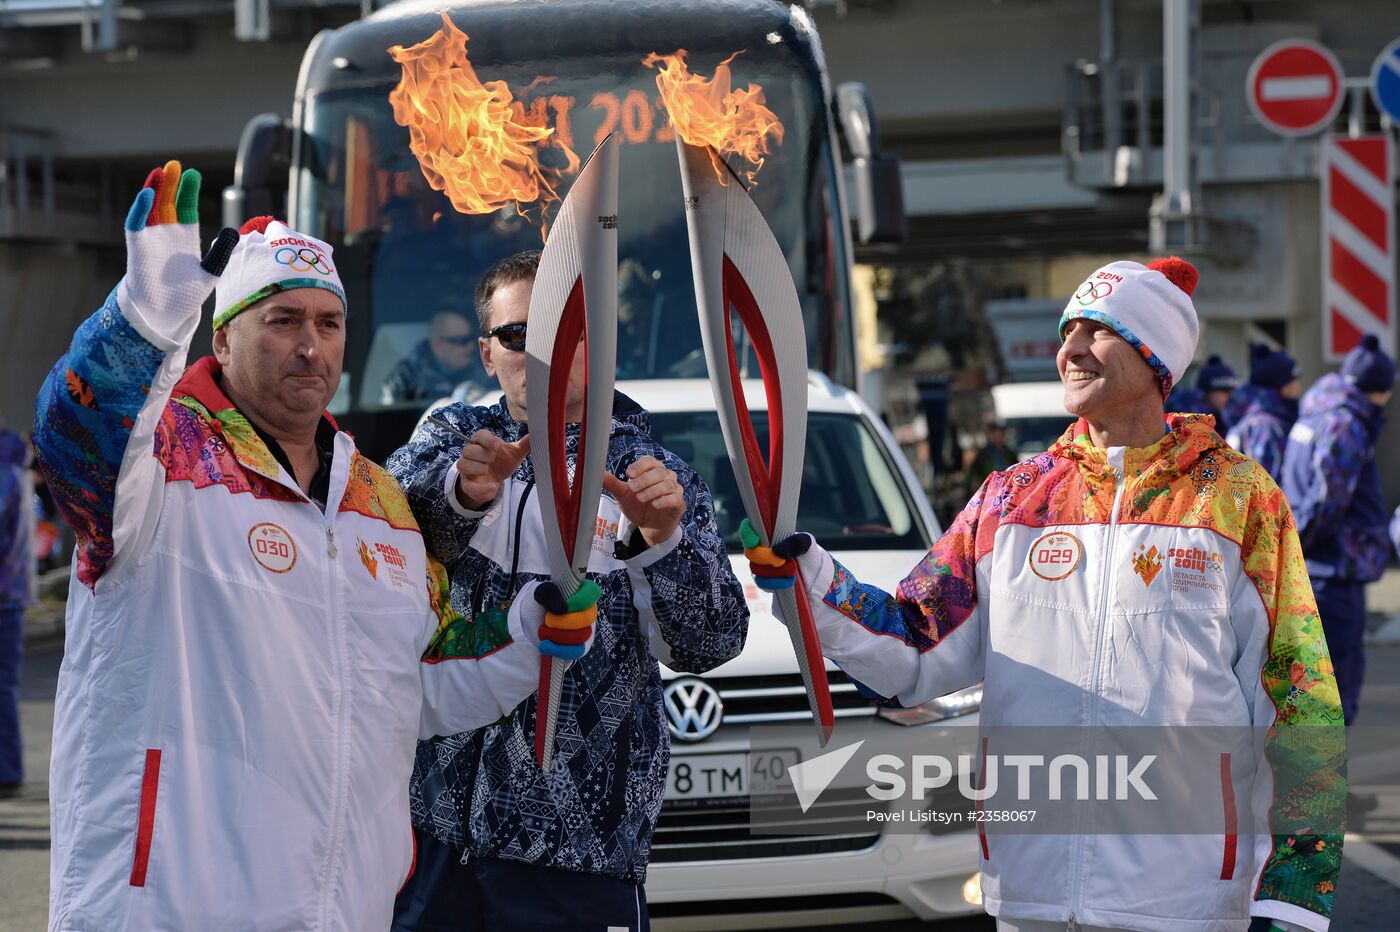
{"x": 405, "y": 255}
{"x": 342, "y": 169}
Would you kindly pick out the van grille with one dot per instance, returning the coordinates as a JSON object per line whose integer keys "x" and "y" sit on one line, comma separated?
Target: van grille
{"x": 718, "y": 829}
{"x": 756, "y": 700}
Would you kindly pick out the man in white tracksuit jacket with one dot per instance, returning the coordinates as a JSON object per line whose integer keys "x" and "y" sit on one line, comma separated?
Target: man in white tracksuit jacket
{"x": 256, "y": 638}
{"x": 1140, "y": 573}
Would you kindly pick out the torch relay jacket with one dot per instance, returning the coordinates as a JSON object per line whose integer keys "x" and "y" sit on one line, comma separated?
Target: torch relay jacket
{"x": 1185, "y": 602}
{"x": 241, "y": 689}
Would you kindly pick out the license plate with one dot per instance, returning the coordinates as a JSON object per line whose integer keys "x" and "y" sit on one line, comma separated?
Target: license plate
{"x": 704, "y": 776}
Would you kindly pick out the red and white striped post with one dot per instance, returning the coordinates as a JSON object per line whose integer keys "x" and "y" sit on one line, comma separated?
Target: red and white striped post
{"x": 1358, "y": 243}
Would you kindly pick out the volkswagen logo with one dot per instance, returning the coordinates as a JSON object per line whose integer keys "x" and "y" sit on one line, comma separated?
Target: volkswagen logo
{"x": 693, "y": 709}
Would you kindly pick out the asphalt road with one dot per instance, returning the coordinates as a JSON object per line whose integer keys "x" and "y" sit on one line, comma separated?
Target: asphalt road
{"x": 1368, "y": 891}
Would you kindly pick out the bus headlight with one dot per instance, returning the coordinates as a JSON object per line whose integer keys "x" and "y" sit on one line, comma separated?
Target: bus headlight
{"x": 962, "y": 702}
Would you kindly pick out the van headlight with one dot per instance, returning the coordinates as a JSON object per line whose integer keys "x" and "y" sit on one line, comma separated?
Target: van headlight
{"x": 962, "y": 702}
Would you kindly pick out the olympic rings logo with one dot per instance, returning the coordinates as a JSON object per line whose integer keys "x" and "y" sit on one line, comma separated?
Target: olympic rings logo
{"x": 303, "y": 260}
{"x": 1089, "y": 292}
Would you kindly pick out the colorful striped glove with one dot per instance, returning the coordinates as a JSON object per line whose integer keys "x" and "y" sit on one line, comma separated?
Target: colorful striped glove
{"x": 568, "y": 622}
{"x": 775, "y": 567}
{"x": 166, "y": 281}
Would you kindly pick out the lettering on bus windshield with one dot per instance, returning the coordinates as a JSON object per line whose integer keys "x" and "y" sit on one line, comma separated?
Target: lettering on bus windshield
{"x": 635, "y": 117}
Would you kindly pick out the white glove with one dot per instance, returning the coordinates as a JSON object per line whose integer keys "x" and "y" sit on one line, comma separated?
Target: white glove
{"x": 166, "y": 281}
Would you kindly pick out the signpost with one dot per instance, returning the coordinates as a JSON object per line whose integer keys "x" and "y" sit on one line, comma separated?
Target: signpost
{"x": 1358, "y": 243}
{"x": 1295, "y": 87}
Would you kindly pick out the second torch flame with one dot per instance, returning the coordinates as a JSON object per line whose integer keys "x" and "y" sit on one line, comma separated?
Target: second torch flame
{"x": 711, "y": 113}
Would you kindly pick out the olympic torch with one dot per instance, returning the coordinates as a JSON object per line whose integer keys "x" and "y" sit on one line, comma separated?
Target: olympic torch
{"x": 738, "y": 264}
{"x": 574, "y": 300}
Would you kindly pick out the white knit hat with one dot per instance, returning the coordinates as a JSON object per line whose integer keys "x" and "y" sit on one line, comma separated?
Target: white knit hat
{"x": 1147, "y": 305}
{"x": 271, "y": 257}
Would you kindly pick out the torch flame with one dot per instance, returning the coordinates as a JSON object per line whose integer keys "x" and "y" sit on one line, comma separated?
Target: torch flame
{"x": 474, "y": 141}
{"x": 710, "y": 113}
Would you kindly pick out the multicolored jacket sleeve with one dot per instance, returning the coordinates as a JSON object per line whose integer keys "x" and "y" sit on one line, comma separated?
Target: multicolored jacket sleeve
{"x": 1303, "y": 789}
{"x": 927, "y": 639}
{"x": 95, "y": 423}
{"x": 474, "y": 670}
{"x": 689, "y": 603}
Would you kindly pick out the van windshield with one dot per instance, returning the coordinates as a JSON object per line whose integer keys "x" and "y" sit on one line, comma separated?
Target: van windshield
{"x": 852, "y": 497}
{"x": 1030, "y": 436}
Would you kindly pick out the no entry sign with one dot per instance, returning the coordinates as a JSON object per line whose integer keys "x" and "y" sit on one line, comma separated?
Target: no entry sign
{"x": 1295, "y": 87}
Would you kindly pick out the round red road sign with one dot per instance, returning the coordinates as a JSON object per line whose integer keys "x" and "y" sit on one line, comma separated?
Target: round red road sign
{"x": 1295, "y": 87}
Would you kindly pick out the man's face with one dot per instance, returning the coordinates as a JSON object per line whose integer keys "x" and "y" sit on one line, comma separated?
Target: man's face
{"x": 282, "y": 356}
{"x": 1219, "y": 398}
{"x": 451, "y": 338}
{"x": 510, "y": 304}
{"x": 1293, "y": 390}
{"x": 1101, "y": 370}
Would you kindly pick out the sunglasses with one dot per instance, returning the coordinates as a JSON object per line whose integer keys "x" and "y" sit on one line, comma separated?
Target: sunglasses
{"x": 512, "y": 336}
{"x": 465, "y": 340}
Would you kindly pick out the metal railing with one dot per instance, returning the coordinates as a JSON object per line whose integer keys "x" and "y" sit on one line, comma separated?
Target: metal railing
{"x": 107, "y": 25}
{"x": 26, "y": 157}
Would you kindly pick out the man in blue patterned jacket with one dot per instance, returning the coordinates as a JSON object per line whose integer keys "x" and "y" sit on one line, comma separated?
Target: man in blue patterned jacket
{"x": 567, "y": 848}
{"x": 1334, "y": 485}
{"x": 1260, "y": 429}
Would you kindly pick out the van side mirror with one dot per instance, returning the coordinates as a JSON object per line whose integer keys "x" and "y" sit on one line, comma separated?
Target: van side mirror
{"x": 879, "y": 192}
{"x": 260, "y": 172}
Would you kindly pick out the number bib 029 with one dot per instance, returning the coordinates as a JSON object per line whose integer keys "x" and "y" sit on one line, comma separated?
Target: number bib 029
{"x": 1054, "y": 556}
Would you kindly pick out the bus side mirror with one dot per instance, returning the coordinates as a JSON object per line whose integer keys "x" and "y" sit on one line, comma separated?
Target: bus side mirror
{"x": 260, "y": 173}
{"x": 879, "y": 191}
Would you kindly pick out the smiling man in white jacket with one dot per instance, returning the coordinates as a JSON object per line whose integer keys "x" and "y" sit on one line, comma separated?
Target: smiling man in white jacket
{"x": 256, "y": 637}
{"x": 1140, "y": 573}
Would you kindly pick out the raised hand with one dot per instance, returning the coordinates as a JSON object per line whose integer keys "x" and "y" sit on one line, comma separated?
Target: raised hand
{"x": 166, "y": 279}
{"x": 651, "y": 498}
{"x": 485, "y": 463}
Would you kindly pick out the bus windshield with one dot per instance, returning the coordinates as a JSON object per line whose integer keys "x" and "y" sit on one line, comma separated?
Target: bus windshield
{"x": 410, "y": 262}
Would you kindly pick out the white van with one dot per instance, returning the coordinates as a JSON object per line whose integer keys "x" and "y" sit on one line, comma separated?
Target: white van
{"x": 1034, "y": 415}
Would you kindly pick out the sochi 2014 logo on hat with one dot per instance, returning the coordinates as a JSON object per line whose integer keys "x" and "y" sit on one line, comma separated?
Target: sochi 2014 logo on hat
{"x": 300, "y": 255}
{"x": 1055, "y": 555}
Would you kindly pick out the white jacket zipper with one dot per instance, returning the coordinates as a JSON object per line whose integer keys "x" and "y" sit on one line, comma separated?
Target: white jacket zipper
{"x": 340, "y": 766}
{"x": 1115, "y": 462}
